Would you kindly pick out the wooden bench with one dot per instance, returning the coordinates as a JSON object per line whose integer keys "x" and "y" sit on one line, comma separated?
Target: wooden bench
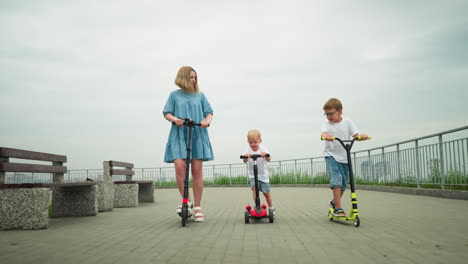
{"x": 128, "y": 193}
{"x": 25, "y": 206}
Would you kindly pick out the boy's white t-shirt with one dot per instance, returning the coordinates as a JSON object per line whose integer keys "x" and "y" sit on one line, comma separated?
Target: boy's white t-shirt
{"x": 261, "y": 165}
{"x": 343, "y": 130}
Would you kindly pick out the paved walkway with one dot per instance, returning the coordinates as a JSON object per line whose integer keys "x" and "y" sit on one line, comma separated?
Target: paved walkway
{"x": 395, "y": 228}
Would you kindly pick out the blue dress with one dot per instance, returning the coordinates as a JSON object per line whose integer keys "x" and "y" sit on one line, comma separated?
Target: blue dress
{"x": 196, "y": 107}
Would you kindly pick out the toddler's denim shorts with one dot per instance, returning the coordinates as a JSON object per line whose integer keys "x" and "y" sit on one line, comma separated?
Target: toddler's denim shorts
{"x": 338, "y": 173}
{"x": 264, "y": 187}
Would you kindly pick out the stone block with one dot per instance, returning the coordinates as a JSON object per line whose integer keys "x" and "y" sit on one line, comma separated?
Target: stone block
{"x": 74, "y": 201}
{"x": 24, "y": 208}
{"x": 146, "y": 192}
{"x": 105, "y": 196}
{"x": 126, "y": 195}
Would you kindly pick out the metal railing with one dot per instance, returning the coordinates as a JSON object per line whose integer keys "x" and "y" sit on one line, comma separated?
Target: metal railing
{"x": 429, "y": 160}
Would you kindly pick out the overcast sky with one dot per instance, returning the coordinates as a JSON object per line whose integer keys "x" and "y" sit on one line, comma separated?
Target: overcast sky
{"x": 89, "y": 79}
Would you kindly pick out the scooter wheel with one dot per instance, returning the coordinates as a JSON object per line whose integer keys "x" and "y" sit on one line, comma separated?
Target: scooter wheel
{"x": 330, "y": 216}
{"x": 271, "y": 215}
{"x": 184, "y": 215}
{"x": 246, "y": 217}
{"x": 357, "y": 221}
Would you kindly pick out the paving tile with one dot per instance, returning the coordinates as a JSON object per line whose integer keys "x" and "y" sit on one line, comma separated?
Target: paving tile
{"x": 390, "y": 232}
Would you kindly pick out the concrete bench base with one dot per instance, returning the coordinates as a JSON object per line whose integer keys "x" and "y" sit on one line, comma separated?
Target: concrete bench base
{"x": 125, "y": 194}
{"x": 105, "y": 196}
{"x": 146, "y": 191}
{"x": 74, "y": 201}
{"x": 24, "y": 208}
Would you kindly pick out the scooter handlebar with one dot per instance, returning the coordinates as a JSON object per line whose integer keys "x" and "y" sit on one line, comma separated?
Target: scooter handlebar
{"x": 356, "y": 138}
{"x": 189, "y": 122}
{"x": 255, "y": 156}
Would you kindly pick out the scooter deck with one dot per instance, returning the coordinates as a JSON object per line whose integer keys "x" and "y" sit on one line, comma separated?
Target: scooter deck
{"x": 350, "y": 217}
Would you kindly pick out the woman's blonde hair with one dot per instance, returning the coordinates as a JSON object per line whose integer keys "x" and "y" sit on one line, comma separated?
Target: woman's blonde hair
{"x": 183, "y": 80}
{"x": 254, "y": 134}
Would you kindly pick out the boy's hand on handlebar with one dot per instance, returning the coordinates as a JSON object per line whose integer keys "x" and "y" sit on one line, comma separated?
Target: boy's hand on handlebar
{"x": 363, "y": 137}
{"x": 329, "y": 137}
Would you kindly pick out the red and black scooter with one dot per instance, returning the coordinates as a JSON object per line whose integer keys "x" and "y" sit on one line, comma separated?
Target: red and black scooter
{"x": 259, "y": 211}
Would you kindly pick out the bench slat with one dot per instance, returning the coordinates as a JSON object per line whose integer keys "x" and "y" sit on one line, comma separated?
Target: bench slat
{"x": 129, "y": 182}
{"x": 113, "y": 163}
{"x": 121, "y": 172}
{"x": 21, "y": 167}
{"x": 20, "y": 185}
{"x": 66, "y": 184}
{"x": 31, "y": 155}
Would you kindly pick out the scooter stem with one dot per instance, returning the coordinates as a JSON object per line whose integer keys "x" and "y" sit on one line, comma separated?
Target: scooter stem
{"x": 187, "y": 163}
{"x": 257, "y": 191}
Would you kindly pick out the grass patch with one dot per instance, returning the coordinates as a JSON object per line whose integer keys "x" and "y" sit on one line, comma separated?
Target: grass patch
{"x": 454, "y": 181}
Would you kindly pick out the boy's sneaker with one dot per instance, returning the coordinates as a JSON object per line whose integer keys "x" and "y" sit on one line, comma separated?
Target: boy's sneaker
{"x": 331, "y": 204}
{"x": 339, "y": 212}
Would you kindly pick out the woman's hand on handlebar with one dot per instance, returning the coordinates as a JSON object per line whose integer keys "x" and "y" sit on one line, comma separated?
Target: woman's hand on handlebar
{"x": 204, "y": 124}
{"x": 178, "y": 122}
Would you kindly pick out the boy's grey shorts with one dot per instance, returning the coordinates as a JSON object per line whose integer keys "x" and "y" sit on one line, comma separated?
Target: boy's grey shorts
{"x": 264, "y": 187}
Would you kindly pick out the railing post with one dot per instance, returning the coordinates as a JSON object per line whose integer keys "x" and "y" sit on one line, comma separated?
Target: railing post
{"x": 464, "y": 166}
{"x": 398, "y": 160}
{"x": 372, "y": 171}
{"x": 418, "y": 172}
{"x": 230, "y": 175}
{"x": 295, "y": 169}
{"x": 160, "y": 174}
{"x": 384, "y": 167}
{"x": 280, "y": 172}
{"x": 442, "y": 166}
{"x": 312, "y": 170}
{"x": 214, "y": 180}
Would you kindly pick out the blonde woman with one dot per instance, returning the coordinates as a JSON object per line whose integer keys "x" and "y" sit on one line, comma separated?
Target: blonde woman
{"x": 188, "y": 102}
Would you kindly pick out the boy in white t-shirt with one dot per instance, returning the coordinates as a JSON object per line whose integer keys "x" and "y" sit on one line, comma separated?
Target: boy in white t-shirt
{"x": 254, "y": 139}
{"x": 336, "y": 160}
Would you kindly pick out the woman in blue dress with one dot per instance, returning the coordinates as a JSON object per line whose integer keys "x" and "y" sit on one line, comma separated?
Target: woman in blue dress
{"x": 188, "y": 102}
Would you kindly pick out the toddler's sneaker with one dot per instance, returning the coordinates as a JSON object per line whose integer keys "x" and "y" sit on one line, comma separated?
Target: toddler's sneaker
{"x": 339, "y": 212}
{"x": 331, "y": 204}
{"x": 273, "y": 210}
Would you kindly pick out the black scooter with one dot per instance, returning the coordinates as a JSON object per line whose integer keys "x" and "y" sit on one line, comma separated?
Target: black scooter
{"x": 185, "y": 208}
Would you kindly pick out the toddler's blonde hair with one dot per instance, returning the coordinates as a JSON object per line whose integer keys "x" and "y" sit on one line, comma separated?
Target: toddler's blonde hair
{"x": 254, "y": 134}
